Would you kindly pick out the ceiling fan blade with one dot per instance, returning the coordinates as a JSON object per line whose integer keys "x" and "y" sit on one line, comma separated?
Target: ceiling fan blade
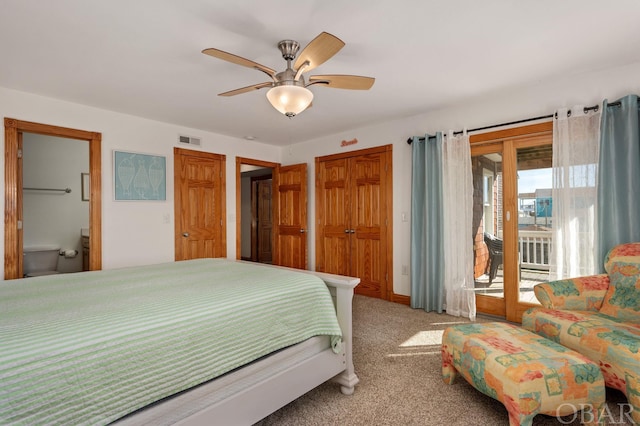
{"x": 319, "y": 50}
{"x": 238, "y": 60}
{"x": 353, "y": 82}
{"x": 246, "y": 89}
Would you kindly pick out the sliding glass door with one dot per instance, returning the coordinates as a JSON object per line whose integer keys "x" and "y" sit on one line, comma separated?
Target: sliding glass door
{"x": 488, "y": 230}
{"x": 511, "y": 217}
{"x": 534, "y": 217}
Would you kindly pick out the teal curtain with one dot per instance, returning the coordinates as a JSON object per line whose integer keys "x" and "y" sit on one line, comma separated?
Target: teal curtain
{"x": 427, "y": 230}
{"x": 618, "y": 175}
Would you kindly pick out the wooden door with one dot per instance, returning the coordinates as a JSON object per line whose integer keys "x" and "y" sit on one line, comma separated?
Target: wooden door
{"x": 264, "y": 220}
{"x": 353, "y": 212}
{"x": 291, "y": 228}
{"x": 369, "y": 224}
{"x": 200, "y": 212}
{"x": 333, "y": 217}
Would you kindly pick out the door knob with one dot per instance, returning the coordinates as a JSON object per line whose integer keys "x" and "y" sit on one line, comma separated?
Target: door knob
{"x": 302, "y": 231}
{"x": 185, "y": 234}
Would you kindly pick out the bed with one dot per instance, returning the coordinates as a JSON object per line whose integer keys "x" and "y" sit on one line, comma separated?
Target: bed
{"x": 207, "y": 341}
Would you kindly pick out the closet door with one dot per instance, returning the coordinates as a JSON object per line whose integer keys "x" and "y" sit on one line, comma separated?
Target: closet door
{"x": 333, "y": 217}
{"x": 368, "y": 223}
{"x": 353, "y": 216}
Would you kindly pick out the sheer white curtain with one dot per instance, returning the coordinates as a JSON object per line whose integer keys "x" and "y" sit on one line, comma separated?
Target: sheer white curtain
{"x": 458, "y": 212}
{"x": 576, "y": 135}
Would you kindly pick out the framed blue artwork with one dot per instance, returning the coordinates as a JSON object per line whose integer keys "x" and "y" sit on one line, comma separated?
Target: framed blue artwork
{"x": 139, "y": 177}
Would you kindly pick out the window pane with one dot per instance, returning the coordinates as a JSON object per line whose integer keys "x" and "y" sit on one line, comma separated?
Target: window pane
{"x": 534, "y": 218}
{"x": 487, "y": 224}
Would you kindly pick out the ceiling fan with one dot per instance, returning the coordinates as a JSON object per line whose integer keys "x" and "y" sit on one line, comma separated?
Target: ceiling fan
{"x": 289, "y": 92}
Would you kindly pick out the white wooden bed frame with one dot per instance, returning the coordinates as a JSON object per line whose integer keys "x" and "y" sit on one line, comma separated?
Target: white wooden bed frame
{"x": 268, "y": 395}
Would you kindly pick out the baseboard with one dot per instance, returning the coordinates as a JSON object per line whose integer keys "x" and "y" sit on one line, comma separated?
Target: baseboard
{"x": 401, "y": 298}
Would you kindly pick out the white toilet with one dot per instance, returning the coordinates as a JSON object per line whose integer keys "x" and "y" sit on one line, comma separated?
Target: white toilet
{"x": 39, "y": 261}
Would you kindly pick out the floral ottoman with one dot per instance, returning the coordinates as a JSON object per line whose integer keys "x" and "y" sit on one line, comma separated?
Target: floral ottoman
{"x": 529, "y": 374}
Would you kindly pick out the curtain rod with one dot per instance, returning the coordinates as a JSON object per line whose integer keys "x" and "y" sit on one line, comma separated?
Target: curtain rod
{"x": 586, "y": 109}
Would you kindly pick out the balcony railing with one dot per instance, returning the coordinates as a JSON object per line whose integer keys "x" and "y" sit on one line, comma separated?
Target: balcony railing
{"x": 533, "y": 249}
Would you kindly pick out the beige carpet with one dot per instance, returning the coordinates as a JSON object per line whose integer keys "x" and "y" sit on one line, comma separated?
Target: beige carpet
{"x": 397, "y": 358}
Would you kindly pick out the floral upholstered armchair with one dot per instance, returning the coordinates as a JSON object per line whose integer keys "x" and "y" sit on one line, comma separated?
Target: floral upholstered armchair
{"x": 598, "y": 316}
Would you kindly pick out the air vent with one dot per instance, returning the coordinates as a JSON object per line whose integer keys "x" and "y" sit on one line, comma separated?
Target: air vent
{"x": 188, "y": 140}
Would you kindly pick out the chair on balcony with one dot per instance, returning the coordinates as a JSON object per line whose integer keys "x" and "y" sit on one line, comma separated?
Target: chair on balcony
{"x": 494, "y": 244}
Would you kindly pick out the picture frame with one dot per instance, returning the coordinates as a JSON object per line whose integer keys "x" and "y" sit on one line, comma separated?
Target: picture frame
{"x": 86, "y": 186}
{"x": 139, "y": 177}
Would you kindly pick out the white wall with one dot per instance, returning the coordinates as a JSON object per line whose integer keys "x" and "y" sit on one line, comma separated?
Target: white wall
{"x": 54, "y": 218}
{"x": 134, "y": 233}
{"x": 535, "y": 100}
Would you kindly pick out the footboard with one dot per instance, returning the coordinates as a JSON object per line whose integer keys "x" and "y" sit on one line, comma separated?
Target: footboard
{"x": 262, "y": 399}
{"x": 266, "y": 391}
{"x": 341, "y": 288}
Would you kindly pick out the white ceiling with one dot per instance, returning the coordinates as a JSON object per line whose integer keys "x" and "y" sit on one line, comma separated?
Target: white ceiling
{"x": 142, "y": 57}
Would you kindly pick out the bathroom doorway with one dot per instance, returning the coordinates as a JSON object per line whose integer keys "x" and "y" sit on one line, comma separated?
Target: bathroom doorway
{"x": 55, "y": 204}
{"x": 22, "y": 137}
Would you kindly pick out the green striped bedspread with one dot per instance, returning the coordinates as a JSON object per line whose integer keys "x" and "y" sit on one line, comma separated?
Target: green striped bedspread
{"x": 89, "y": 348}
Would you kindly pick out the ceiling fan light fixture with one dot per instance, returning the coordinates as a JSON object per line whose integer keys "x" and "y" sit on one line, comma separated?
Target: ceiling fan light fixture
{"x": 288, "y": 91}
{"x": 290, "y": 100}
